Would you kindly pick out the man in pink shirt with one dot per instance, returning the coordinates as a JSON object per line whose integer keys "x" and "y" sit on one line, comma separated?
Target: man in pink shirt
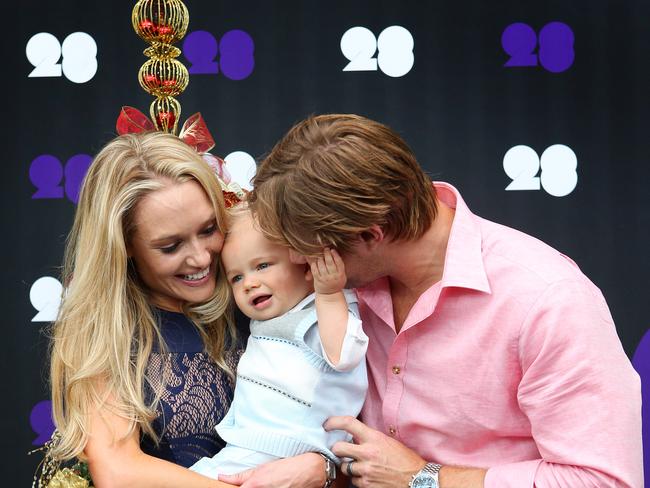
{"x": 493, "y": 361}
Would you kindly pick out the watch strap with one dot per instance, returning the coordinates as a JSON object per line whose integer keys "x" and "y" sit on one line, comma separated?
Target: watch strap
{"x": 432, "y": 468}
{"x": 330, "y": 471}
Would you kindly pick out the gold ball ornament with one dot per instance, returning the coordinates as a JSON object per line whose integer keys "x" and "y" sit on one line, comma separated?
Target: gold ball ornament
{"x": 163, "y": 77}
{"x": 165, "y": 113}
{"x": 160, "y": 21}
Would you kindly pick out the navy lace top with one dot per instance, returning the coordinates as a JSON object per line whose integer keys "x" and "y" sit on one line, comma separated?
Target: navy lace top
{"x": 196, "y": 393}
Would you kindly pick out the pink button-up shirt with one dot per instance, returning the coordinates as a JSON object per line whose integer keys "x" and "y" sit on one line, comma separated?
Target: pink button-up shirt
{"x": 511, "y": 362}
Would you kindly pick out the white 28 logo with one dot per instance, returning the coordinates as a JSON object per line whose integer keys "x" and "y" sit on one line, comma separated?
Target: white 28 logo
{"x": 78, "y": 54}
{"x": 558, "y": 165}
{"x": 394, "y": 48}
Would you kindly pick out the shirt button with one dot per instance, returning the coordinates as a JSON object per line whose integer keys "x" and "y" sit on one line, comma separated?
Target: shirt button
{"x": 391, "y": 430}
{"x": 396, "y": 370}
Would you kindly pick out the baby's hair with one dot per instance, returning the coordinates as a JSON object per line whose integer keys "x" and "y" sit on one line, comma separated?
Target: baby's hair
{"x": 239, "y": 211}
{"x": 236, "y": 212}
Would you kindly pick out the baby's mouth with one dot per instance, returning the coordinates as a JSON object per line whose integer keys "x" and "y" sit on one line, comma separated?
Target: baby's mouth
{"x": 261, "y": 299}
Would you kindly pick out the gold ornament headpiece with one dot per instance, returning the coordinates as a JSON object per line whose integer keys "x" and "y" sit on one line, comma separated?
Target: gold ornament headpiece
{"x": 161, "y": 23}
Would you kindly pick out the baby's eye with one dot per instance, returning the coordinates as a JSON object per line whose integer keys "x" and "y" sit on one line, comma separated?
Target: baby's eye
{"x": 236, "y": 278}
{"x": 263, "y": 265}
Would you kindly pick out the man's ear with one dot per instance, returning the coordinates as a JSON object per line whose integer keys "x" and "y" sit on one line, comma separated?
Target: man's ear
{"x": 372, "y": 237}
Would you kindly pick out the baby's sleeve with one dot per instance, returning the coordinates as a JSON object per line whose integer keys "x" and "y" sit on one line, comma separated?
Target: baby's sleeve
{"x": 355, "y": 342}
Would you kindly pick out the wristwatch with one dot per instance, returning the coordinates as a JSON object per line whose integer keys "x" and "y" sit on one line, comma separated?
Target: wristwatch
{"x": 427, "y": 477}
{"x": 330, "y": 471}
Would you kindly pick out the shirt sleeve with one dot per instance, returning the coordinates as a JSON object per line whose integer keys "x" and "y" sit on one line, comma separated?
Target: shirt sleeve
{"x": 581, "y": 395}
{"x": 355, "y": 345}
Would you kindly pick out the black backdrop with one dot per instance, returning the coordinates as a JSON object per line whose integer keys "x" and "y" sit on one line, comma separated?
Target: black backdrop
{"x": 461, "y": 106}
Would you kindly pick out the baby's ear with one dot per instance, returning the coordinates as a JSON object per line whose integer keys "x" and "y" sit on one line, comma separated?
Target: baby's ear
{"x": 296, "y": 258}
{"x": 308, "y": 275}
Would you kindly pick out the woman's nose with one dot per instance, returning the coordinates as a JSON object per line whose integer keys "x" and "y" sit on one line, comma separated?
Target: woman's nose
{"x": 199, "y": 257}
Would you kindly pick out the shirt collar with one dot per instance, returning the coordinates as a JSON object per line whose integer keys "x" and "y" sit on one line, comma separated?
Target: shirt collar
{"x": 464, "y": 266}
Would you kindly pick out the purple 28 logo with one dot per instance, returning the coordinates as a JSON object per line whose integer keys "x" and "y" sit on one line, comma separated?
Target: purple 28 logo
{"x": 41, "y": 421}
{"x": 236, "y": 50}
{"x": 555, "y": 42}
{"x": 641, "y": 362}
{"x": 46, "y": 174}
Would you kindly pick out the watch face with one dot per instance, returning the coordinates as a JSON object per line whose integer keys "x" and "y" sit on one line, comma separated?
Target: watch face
{"x": 424, "y": 480}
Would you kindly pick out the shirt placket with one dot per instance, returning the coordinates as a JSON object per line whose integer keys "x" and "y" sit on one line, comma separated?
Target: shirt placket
{"x": 395, "y": 369}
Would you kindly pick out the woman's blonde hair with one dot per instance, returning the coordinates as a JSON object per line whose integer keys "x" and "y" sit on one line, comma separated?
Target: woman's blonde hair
{"x": 332, "y": 177}
{"x": 105, "y": 332}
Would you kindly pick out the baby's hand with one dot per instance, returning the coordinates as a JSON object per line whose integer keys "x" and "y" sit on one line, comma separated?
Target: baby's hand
{"x": 328, "y": 272}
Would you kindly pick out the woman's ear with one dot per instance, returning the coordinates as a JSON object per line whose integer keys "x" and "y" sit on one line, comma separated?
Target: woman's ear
{"x": 129, "y": 249}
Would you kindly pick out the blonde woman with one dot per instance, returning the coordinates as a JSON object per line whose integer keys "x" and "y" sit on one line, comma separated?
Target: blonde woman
{"x": 143, "y": 351}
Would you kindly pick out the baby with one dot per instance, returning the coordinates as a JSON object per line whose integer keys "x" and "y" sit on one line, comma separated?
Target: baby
{"x": 305, "y": 358}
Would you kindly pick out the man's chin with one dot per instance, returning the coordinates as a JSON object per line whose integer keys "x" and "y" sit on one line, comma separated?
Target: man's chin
{"x": 355, "y": 284}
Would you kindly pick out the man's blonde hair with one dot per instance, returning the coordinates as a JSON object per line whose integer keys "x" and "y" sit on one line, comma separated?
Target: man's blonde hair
{"x": 332, "y": 177}
{"x": 106, "y": 330}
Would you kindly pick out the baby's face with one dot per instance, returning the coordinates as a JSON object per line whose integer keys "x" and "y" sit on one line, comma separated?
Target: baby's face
{"x": 264, "y": 281}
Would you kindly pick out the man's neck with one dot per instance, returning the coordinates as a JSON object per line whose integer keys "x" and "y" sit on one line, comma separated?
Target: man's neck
{"x": 418, "y": 264}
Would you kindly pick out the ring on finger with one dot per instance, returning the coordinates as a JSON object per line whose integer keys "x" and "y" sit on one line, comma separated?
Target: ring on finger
{"x": 348, "y": 469}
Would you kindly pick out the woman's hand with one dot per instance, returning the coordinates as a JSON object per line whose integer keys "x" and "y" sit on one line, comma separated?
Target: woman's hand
{"x": 306, "y": 470}
{"x": 115, "y": 459}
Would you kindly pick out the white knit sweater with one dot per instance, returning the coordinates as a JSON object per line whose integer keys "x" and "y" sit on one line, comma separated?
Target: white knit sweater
{"x": 286, "y": 388}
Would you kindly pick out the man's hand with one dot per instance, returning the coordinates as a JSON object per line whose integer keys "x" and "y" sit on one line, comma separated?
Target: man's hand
{"x": 379, "y": 460}
{"x": 306, "y": 470}
{"x": 328, "y": 272}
